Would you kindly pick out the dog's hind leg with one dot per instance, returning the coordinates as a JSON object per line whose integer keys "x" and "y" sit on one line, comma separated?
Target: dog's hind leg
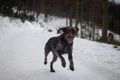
{"x": 51, "y": 64}
{"x": 47, "y": 50}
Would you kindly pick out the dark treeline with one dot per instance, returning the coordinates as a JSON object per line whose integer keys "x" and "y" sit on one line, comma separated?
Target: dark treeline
{"x": 87, "y": 9}
{"x": 114, "y": 16}
{"x": 92, "y": 13}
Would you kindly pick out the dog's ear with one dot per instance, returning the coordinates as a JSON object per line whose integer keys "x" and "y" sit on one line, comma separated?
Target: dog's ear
{"x": 76, "y": 29}
{"x": 61, "y": 30}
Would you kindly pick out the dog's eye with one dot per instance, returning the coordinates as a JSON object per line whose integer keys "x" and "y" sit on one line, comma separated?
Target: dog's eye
{"x": 68, "y": 31}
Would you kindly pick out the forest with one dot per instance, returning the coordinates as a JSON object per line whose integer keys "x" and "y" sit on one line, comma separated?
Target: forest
{"x": 97, "y": 14}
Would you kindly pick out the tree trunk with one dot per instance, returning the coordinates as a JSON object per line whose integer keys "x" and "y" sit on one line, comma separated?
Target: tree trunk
{"x": 77, "y": 12}
{"x": 46, "y": 10}
{"x": 37, "y": 8}
{"x": 70, "y": 16}
{"x": 66, "y": 21}
{"x": 81, "y": 20}
{"x": 70, "y": 21}
{"x": 105, "y": 21}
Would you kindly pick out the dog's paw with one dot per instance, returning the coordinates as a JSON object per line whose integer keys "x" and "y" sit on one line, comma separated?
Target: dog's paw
{"x": 72, "y": 67}
{"x": 45, "y": 62}
{"x": 64, "y": 64}
{"x": 52, "y": 70}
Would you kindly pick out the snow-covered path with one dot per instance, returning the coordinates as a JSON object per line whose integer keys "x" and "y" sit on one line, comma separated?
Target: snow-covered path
{"x": 22, "y": 55}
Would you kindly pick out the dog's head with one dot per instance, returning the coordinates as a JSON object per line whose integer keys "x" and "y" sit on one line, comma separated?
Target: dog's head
{"x": 69, "y": 33}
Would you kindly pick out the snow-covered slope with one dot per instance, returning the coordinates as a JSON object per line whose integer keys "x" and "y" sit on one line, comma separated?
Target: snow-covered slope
{"x": 22, "y": 55}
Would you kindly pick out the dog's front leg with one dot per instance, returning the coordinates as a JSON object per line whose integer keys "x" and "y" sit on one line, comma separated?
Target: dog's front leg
{"x": 62, "y": 59}
{"x": 71, "y": 62}
{"x": 70, "y": 58}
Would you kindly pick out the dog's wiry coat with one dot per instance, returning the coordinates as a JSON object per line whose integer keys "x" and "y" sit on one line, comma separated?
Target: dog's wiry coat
{"x": 60, "y": 45}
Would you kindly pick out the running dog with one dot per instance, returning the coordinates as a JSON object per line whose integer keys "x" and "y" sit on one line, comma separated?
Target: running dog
{"x": 62, "y": 44}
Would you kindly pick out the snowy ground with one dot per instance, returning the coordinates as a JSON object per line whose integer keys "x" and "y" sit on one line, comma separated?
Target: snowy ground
{"x": 22, "y": 55}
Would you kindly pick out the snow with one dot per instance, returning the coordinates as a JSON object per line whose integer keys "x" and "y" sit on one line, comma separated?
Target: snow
{"x": 117, "y": 1}
{"x": 22, "y": 54}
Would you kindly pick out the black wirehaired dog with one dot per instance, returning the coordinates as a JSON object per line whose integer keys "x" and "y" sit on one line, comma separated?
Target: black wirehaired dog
{"x": 60, "y": 45}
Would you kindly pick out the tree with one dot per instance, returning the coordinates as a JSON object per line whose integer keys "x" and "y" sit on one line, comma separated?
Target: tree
{"x": 105, "y": 21}
{"x": 37, "y": 8}
{"x": 77, "y": 12}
